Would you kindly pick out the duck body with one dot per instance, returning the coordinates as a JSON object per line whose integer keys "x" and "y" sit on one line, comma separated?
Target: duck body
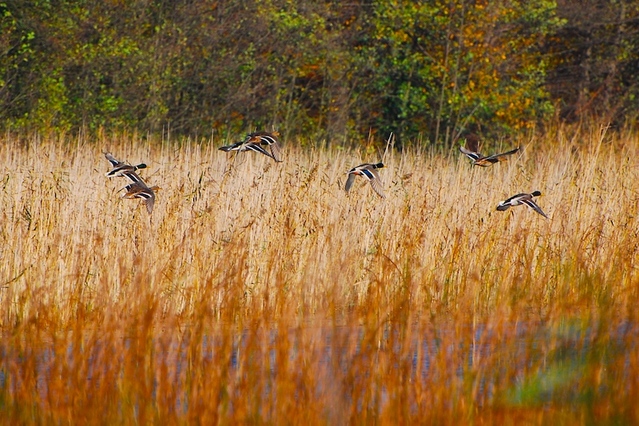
{"x": 369, "y": 172}
{"x": 262, "y": 142}
{"x": 523, "y": 198}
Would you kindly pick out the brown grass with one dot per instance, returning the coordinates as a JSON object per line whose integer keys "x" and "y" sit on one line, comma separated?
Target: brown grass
{"x": 261, "y": 293}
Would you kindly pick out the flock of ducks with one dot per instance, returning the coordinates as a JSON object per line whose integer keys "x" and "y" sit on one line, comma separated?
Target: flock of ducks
{"x": 268, "y": 144}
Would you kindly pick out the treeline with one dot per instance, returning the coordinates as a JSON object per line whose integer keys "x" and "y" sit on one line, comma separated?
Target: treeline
{"x": 425, "y": 70}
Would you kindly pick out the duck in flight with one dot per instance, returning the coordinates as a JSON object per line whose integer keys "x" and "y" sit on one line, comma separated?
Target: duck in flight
{"x": 368, "y": 171}
{"x": 485, "y": 161}
{"x": 119, "y": 168}
{"x": 519, "y": 199}
{"x": 142, "y": 191}
{"x": 262, "y": 142}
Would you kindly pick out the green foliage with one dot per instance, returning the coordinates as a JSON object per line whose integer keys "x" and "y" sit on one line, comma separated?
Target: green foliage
{"x": 329, "y": 70}
{"x": 442, "y": 66}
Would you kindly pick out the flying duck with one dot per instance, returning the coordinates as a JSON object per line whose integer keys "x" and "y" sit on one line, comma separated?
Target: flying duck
{"x": 368, "y": 171}
{"x": 523, "y": 198}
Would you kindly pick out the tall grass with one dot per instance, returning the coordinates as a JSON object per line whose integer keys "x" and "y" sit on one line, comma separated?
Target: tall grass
{"x": 260, "y": 292}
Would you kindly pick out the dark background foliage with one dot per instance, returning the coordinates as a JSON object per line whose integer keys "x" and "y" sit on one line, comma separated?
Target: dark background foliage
{"x": 317, "y": 70}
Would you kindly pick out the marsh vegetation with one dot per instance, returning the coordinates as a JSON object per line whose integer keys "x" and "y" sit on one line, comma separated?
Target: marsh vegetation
{"x": 261, "y": 292}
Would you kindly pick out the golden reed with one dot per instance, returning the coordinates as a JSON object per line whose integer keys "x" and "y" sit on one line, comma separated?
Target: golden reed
{"x": 262, "y": 292}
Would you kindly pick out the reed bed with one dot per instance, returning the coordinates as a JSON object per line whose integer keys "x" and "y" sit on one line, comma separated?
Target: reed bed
{"x": 260, "y": 292}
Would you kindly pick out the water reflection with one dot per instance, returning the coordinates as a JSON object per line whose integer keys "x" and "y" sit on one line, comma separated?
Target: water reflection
{"x": 519, "y": 364}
